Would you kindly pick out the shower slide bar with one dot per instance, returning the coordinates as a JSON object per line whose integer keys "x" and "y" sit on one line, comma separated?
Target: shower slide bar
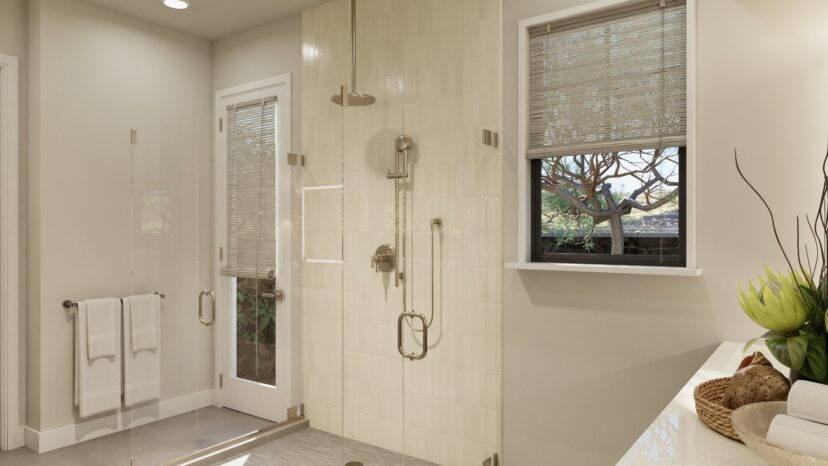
{"x": 68, "y": 304}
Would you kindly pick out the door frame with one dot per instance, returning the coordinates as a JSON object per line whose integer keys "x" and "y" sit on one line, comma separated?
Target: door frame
{"x": 279, "y": 86}
{"x": 11, "y": 432}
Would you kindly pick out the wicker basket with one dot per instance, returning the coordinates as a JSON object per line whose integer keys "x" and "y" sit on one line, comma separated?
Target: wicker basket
{"x": 710, "y": 409}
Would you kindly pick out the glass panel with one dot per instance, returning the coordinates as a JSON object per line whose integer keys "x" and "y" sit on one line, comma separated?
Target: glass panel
{"x": 621, "y": 206}
{"x": 255, "y": 335}
{"x": 324, "y": 30}
{"x": 170, "y": 255}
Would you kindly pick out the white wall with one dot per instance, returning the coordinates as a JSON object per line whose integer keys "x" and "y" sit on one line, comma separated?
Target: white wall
{"x": 434, "y": 68}
{"x": 96, "y": 202}
{"x": 263, "y": 52}
{"x": 590, "y": 359}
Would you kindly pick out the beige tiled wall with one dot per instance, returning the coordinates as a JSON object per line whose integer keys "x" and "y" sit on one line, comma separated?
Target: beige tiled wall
{"x": 434, "y": 67}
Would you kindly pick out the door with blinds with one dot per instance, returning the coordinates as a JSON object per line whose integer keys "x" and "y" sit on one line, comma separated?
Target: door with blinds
{"x": 253, "y": 320}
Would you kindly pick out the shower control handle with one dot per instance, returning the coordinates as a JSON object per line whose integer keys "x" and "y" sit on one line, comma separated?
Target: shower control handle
{"x": 212, "y": 307}
{"x": 384, "y": 259}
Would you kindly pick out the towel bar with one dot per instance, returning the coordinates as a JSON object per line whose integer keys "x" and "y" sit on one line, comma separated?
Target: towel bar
{"x": 68, "y": 304}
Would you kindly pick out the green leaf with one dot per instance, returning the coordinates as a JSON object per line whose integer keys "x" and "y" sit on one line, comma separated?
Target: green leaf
{"x": 797, "y": 349}
{"x": 750, "y": 343}
{"x": 779, "y": 349}
{"x": 815, "y": 366}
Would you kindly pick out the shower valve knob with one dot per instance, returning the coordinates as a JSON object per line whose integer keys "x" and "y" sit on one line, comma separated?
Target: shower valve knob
{"x": 384, "y": 259}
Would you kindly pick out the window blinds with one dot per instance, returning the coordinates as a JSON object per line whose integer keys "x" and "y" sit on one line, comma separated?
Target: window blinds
{"x": 607, "y": 82}
{"x": 251, "y": 190}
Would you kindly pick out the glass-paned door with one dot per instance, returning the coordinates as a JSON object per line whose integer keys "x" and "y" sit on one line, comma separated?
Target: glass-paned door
{"x": 254, "y": 237}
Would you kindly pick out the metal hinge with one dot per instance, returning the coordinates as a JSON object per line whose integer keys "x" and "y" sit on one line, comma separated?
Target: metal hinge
{"x": 221, "y": 125}
{"x": 296, "y": 159}
{"x": 221, "y": 380}
{"x": 133, "y": 137}
{"x": 221, "y": 253}
{"x": 489, "y": 138}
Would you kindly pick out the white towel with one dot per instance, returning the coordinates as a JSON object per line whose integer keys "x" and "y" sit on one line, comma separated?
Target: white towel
{"x": 808, "y": 400}
{"x": 799, "y": 435}
{"x": 142, "y": 368}
{"x": 101, "y": 327}
{"x": 145, "y": 310}
{"x": 97, "y": 381}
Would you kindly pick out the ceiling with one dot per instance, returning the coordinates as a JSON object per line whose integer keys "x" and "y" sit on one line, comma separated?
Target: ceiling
{"x": 210, "y": 19}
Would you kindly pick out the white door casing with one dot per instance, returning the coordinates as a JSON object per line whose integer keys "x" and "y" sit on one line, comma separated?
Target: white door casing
{"x": 11, "y": 432}
{"x": 243, "y": 395}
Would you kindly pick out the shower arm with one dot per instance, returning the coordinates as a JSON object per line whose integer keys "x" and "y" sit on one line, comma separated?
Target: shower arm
{"x": 353, "y": 46}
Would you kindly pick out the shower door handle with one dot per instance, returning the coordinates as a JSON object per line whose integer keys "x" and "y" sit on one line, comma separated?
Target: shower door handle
{"x": 212, "y": 307}
{"x": 400, "y": 346}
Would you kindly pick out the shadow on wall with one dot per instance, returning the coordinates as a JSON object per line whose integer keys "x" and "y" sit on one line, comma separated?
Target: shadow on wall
{"x": 603, "y": 442}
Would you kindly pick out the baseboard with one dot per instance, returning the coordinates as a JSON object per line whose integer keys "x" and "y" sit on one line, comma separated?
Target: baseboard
{"x": 42, "y": 442}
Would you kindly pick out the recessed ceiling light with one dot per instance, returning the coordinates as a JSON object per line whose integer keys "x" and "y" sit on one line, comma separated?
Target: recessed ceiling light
{"x": 177, "y": 4}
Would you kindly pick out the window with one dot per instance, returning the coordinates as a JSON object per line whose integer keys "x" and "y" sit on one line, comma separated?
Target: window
{"x": 606, "y": 135}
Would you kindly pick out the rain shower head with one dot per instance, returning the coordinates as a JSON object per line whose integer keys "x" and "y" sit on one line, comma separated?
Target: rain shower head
{"x": 354, "y": 98}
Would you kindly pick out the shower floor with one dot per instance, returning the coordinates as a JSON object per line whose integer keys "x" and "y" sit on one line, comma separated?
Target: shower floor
{"x": 311, "y": 447}
{"x": 154, "y": 443}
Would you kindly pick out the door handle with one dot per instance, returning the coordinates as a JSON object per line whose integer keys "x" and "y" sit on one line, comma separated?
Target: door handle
{"x": 400, "y": 346}
{"x": 212, "y": 307}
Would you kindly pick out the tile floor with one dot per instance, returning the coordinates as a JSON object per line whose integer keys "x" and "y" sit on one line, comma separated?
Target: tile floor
{"x": 154, "y": 443}
{"x": 311, "y": 447}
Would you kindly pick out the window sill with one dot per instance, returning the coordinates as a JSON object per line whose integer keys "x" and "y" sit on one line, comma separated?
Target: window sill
{"x": 601, "y": 268}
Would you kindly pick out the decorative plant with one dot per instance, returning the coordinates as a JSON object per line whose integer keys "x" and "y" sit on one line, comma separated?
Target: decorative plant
{"x": 792, "y": 306}
{"x": 255, "y": 331}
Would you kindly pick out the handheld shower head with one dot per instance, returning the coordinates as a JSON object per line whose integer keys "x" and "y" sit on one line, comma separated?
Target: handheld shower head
{"x": 404, "y": 143}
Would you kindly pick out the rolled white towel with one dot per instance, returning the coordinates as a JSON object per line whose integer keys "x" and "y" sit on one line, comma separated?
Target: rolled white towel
{"x": 809, "y": 400}
{"x": 799, "y": 435}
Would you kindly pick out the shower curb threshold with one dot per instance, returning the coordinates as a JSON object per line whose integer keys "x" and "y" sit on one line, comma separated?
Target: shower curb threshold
{"x": 241, "y": 444}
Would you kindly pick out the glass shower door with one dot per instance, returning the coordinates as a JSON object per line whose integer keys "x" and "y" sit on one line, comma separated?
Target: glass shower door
{"x": 168, "y": 385}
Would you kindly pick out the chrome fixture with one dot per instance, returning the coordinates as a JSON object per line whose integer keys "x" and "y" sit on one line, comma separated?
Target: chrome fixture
{"x": 400, "y": 347}
{"x": 395, "y": 257}
{"x": 212, "y": 306}
{"x": 69, "y": 304}
{"x": 384, "y": 259}
{"x": 177, "y": 4}
{"x": 277, "y": 295}
{"x": 489, "y": 138}
{"x": 402, "y": 145}
{"x": 352, "y": 98}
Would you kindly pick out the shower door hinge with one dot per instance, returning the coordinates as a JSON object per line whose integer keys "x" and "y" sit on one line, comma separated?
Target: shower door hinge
{"x": 489, "y": 138}
{"x": 133, "y": 137}
{"x": 296, "y": 159}
{"x": 221, "y": 253}
{"x": 221, "y": 380}
{"x": 221, "y": 125}
{"x": 492, "y": 461}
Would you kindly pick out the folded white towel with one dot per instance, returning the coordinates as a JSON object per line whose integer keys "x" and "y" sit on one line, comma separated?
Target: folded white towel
{"x": 145, "y": 310}
{"x": 101, "y": 327}
{"x": 799, "y": 435}
{"x": 97, "y": 381}
{"x": 142, "y": 367}
{"x": 809, "y": 400}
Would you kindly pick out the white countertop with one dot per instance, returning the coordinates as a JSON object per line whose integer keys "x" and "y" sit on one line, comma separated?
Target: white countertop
{"x": 678, "y": 437}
